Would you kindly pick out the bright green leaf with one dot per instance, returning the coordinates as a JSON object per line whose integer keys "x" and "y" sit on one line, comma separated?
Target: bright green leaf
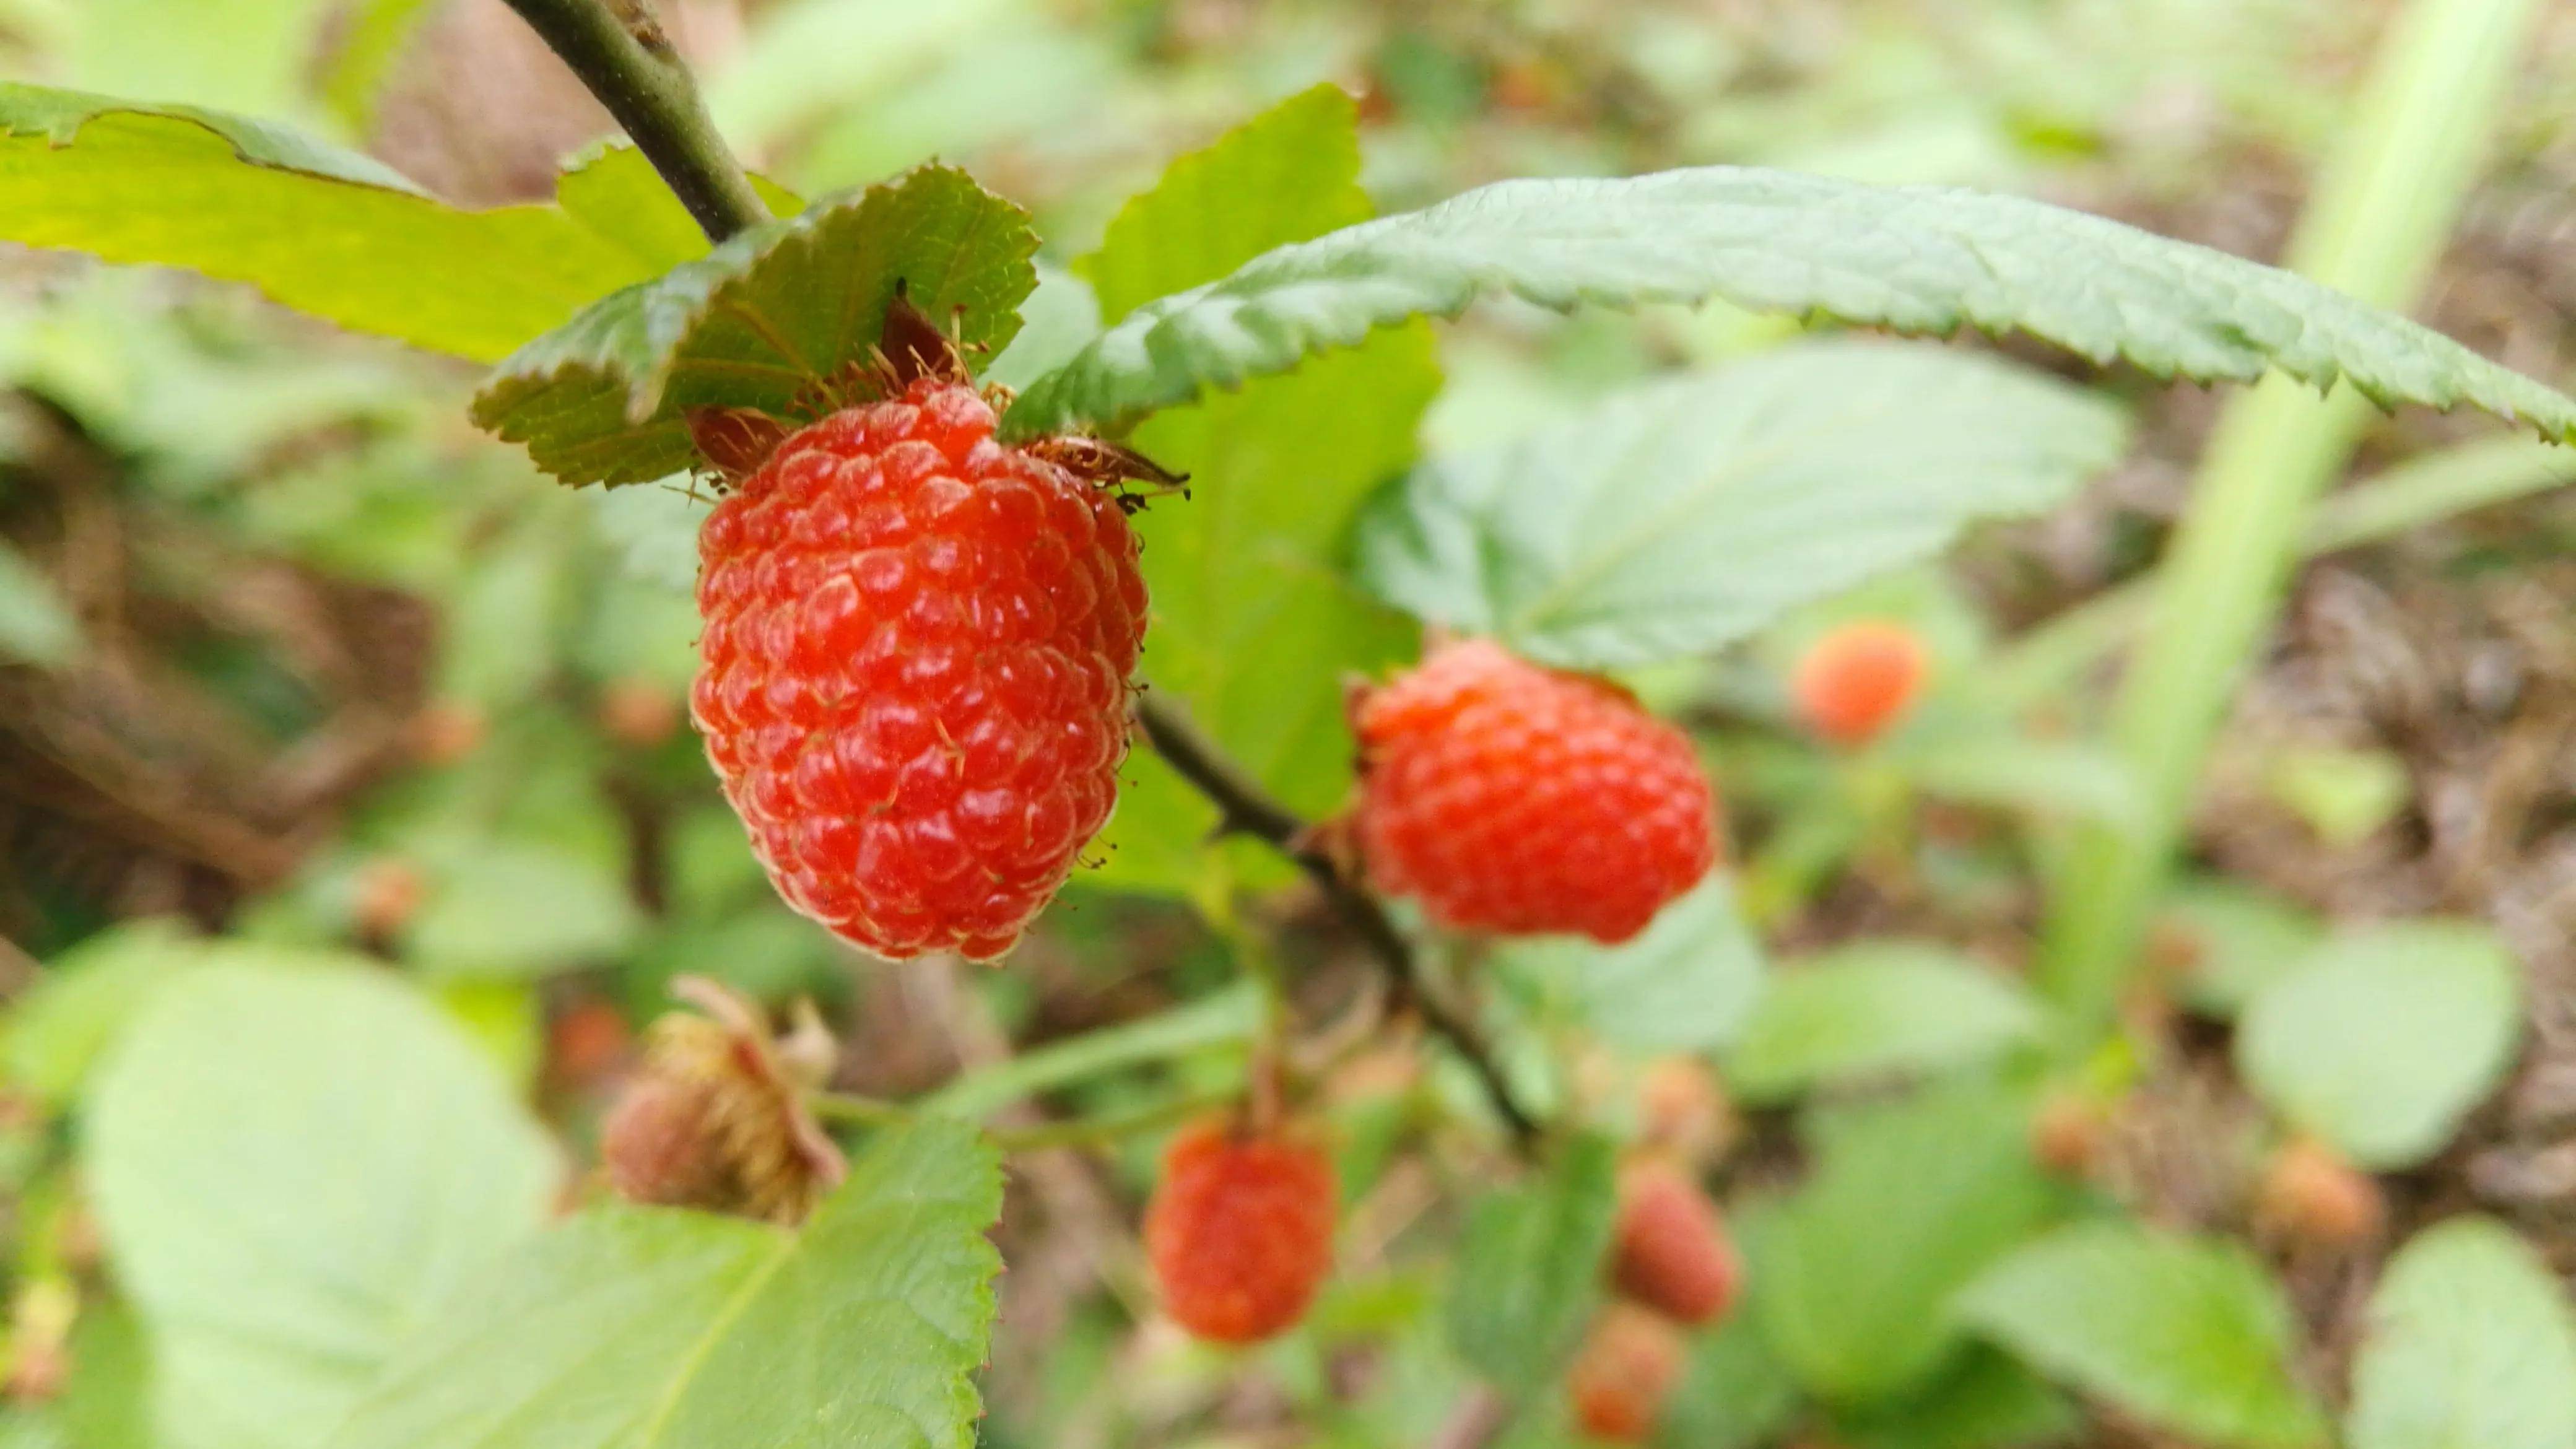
{"x": 1691, "y": 511}
{"x": 293, "y": 1163}
{"x": 1685, "y": 984}
{"x": 2470, "y": 1346}
{"x": 2228, "y": 941}
{"x": 1733, "y": 1394}
{"x": 1879, "y": 1008}
{"x": 645, "y": 1329}
{"x": 248, "y": 55}
{"x": 2189, "y": 1335}
{"x": 1912, "y": 259}
{"x": 1255, "y": 622}
{"x": 88, "y": 995}
{"x": 319, "y": 229}
{"x": 35, "y": 627}
{"x": 759, "y": 323}
{"x": 1988, "y": 1401}
{"x": 2381, "y": 1040}
{"x": 502, "y": 908}
{"x": 1529, "y": 1269}
{"x": 1909, "y": 1200}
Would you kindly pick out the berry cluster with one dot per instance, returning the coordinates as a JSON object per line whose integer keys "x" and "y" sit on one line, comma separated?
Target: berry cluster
{"x": 1671, "y": 1268}
{"x": 917, "y": 643}
{"x": 1511, "y": 798}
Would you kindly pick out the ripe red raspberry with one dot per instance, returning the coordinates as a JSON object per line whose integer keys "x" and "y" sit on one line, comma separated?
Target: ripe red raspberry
{"x": 1670, "y": 1251}
{"x": 1512, "y": 798}
{"x": 1630, "y": 1365}
{"x": 1240, "y": 1231}
{"x": 916, "y": 646}
{"x": 1859, "y": 679}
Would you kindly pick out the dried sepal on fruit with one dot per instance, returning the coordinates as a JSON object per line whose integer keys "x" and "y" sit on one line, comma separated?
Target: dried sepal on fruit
{"x": 1625, "y": 1373}
{"x": 917, "y": 643}
{"x": 716, "y": 1117}
{"x": 1517, "y": 799}
{"x": 1669, "y": 1249}
{"x": 1240, "y": 1229}
{"x": 1857, "y": 681}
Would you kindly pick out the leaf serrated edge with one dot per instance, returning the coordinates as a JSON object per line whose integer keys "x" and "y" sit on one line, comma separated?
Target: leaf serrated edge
{"x": 501, "y": 406}
{"x": 86, "y": 107}
{"x": 1057, "y": 401}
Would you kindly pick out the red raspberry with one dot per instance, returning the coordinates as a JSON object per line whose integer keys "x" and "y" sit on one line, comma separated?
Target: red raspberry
{"x": 1626, "y": 1373}
{"x": 1518, "y": 799}
{"x": 1240, "y": 1231}
{"x": 1670, "y": 1251}
{"x": 917, "y": 644}
{"x": 1859, "y": 679}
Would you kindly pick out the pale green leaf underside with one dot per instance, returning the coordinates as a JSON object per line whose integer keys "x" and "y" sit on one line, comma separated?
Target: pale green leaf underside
{"x": 632, "y": 1328}
{"x": 758, "y": 322}
{"x": 2470, "y": 1346}
{"x": 1912, "y": 259}
{"x": 295, "y": 1158}
{"x": 1691, "y": 511}
{"x": 1875, "y": 1010}
{"x": 320, "y": 229}
{"x": 2189, "y": 1335}
{"x": 1685, "y": 984}
{"x": 2380, "y": 1041}
{"x": 1909, "y": 1201}
{"x": 1529, "y": 1268}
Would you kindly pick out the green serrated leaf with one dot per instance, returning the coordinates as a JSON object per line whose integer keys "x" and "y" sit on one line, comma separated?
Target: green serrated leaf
{"x": 320, "y": 229}
{"x": 2381, "y": 1040}
{"x": 1733, "y": 1394}
{"x": 1923, "y": 260}
{"x": 644, "y": 1329}
{"x": 1685, "y": 984}
{"x": 1529, "y": 1269}
{"x": 293, "y": 1161}
{"x": 1850, "y": 1275}
{"x": 1879, "y": 1008}
{"x": 2187, "y": 1334}
{"x": 1988, "y": 1401}
{"x": 2470, "y": 1346}
{"x": 1255, "y": 621}
{"x": 1692, "y": 511}
{"x": 759, "y": 322}
{"x": 87, "y": 997}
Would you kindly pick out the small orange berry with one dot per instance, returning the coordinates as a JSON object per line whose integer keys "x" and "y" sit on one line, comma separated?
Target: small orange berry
{"x": 1670, "y": 1250}
{"x": 388, "y": 893}
{"x": 1859, "y": 679}
{"x": 2066, "y": 1135}
{"x": 445, "y": 732}
{"x": 1626, "y": 1373}
{"x": 2314, "y": 1198}
{"x": 639, "y": 712}
{"x": 1240, "y": 1231}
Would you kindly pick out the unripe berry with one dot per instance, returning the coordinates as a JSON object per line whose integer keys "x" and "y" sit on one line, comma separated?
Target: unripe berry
{"x": 1859, "y": 679}
{"x": 2314, "y": 1198}
{"x": 1626, "y": 1372}
{"x": 387, "y": 893}
{"x": 714, "y": 1120}
{"x": 1511, "y": 798}
{"x": 1683, "y": 1112}
{"x": 1670, "y": 1250}
{"x": 638, "y": 711}
{"x": 446, "y": 732}
{"x": 917, "y": 644}
{"x": 585, "y": 1043}
{"x": 1240, "y": 1231}
{"x": 2067, "y": 1135}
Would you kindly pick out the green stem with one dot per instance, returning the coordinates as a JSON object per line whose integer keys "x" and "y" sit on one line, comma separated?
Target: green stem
{"x": 2384, "y": 204}
{"x": 621, "y": 54}
{"x": 848, "y": 1110}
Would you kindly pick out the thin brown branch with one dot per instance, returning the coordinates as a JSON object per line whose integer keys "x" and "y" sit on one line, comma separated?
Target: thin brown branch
{"x": 1245, "y": 808}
